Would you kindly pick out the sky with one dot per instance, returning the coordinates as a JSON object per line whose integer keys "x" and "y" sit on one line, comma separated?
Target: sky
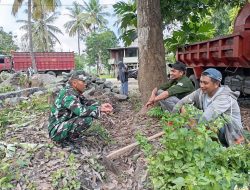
{"x": 9, "y": 24}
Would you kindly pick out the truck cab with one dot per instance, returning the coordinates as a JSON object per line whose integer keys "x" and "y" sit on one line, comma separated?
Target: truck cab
{"x": 5, "y": 63}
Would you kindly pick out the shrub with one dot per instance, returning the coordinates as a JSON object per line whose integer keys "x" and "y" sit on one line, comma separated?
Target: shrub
{"x": 194, "y": 159}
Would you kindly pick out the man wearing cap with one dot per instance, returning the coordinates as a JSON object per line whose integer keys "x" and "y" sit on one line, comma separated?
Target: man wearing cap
{"x": 216, "y": 100}
{"x": 176, "y": 88}
{"x": 72, "y": 114}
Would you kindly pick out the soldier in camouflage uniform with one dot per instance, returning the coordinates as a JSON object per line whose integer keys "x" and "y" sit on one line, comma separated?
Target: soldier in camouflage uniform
{"x": 72, "y": 114}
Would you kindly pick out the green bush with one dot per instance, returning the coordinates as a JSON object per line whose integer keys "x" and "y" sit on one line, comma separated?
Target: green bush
{"x": 5, "y": 89}
{"x": 193, "y": 159}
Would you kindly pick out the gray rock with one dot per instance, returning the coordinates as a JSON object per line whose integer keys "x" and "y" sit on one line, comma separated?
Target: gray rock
{"x": 89, "y": 92}
{"x": 93, "y": 79}
{"x": 107, "y": 90}
{"x": 120, "y": 97}
{"x": 14, "y": 80}
{"x": 108, "y": 84}
{"x": 12, "y": 101}
{"x": 108, "y": 94}
{"x": 25, "y": 92}
{"x": 100, "y": 87}
{"x": 99, "y": 81}
{"x": 38, "y": 93}
{"x": 55, "y": 89}
{"x": 36, "y": 81}
{"x": 116, "y": 90}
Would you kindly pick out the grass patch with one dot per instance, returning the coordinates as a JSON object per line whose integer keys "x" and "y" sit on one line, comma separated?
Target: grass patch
{"x": 135, "y": 100}
{"x": 23, "y": 112}
{"x": 5, "y": 89}
{"x": 106, "y": 76}
{"x": 97, "y": 130}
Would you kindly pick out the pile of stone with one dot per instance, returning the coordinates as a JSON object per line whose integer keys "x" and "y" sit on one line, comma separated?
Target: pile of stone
{"x": 25, "y": 87}
{"x": 97, "y": 86}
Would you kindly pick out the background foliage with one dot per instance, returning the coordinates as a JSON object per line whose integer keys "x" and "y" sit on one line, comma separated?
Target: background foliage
{"x": 97, "y": 44}
{"x": 7, "y": 42}
{"x": 184, "y": 21}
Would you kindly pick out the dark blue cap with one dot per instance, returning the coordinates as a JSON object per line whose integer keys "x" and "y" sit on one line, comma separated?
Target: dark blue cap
{"x": 213, "y": 73}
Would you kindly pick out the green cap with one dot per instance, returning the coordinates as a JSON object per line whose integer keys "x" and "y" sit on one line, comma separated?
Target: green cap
{"x": 78, "y": 77}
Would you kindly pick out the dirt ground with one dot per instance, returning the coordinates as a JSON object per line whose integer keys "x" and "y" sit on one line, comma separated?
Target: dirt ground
{"x": 49, "y": 166}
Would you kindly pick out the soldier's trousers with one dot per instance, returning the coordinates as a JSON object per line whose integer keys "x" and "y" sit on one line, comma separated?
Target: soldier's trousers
{"x": 76, "y": 125}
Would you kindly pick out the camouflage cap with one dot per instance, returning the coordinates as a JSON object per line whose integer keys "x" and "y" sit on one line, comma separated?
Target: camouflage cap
{"x": 78, "y": 77}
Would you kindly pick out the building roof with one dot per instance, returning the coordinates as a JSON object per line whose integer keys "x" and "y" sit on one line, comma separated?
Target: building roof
{"x": 134, "y": 44}
{"x": 121, "y": 48}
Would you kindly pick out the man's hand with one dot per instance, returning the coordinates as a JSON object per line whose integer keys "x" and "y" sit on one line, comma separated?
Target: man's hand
{"x": 151, "y": 100}
{"x": 153, "y": 94}
{"x": 106, "y": 108}
{"x": 150, "y": 103}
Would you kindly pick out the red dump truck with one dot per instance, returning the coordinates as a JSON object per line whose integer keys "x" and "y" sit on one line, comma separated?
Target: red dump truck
{"x": 47, "y": 62}
{"x": 229, "y": 54}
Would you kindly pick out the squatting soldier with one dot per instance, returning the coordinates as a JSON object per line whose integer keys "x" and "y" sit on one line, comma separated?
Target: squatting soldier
{"x": 72, "y": 114}
{"x": 176, "y": 88}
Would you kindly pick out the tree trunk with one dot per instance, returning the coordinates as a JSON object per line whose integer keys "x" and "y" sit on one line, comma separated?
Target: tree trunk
{"x": 46, "y": 47}
{"x": 78, "y": 38}
{"x": 98, "y": 63}
{"x": 30, "y": 38}
{"x": 152, "y": 67}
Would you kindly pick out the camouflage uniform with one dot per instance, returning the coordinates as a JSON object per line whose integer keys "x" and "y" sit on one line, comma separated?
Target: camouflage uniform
{"x": 71, "y": 114}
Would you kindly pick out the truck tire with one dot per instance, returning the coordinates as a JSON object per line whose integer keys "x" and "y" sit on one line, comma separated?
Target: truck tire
{"x": 51, "y": 73}
{"x": 194, "y": 81}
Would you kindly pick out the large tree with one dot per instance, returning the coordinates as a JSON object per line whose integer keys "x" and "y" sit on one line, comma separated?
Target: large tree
{"x": 78, "y": 24}
{"x": 48, "y": 5}
{"x": 44, "y": 32}
{"x": 152, "y": 70}
{"x": 96, "y": 48}
{"x": 96, "y": 14}
{"x": 127, "y": 20}
{"x": 6, "y": 42}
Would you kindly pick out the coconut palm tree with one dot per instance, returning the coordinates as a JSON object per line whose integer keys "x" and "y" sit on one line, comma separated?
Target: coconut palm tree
{"x": 127, "y": 20}
{"x": 78, "y": 25}
{"x": 96, "y": 14}
{"x": 43, "y": 32}
{"x": 49, "y": 5}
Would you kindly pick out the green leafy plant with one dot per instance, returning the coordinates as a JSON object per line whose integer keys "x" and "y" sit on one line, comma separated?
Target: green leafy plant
{"x": 23, "y": 80}
{"x": 5, "y": 89}
{"x": 94, "y": 163}
{"x": 155, "y": 112}
{"x": 66, "y": 179}
{"x": 193, "y": 158}
{"x": 146, "y": 147}
{"x": 7, "y": 175}
{"x": 98, "y": 130}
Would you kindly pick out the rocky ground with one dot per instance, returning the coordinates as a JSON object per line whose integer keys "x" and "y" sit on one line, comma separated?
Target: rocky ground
{"x": 30, "y": 160}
